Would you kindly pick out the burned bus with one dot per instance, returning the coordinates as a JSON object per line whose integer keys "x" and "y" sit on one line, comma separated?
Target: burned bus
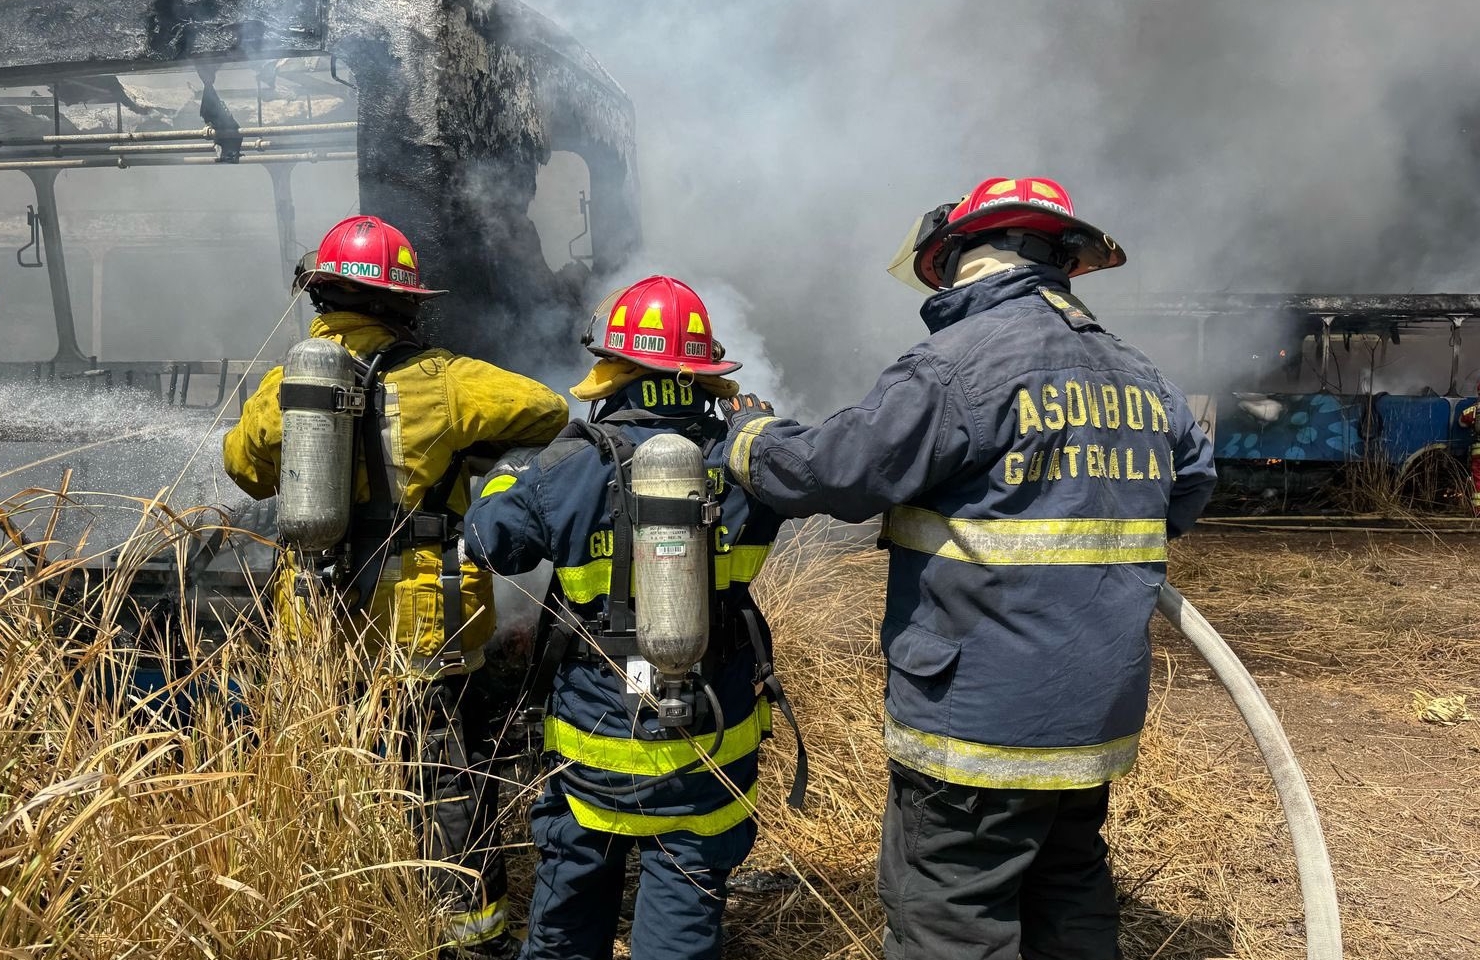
{"x": 1329, "y": 403}
{"x": 164, "y": 166}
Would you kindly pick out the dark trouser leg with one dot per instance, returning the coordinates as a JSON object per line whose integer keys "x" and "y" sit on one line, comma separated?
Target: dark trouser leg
{"x": 1069, "y": 911}
{"x": 952, "y": 864}
{"x": 1475, "y": 477}
{"x": 681, "y": 894}
{"x": 457, "y": 780}
{"x": 577, "y": 885}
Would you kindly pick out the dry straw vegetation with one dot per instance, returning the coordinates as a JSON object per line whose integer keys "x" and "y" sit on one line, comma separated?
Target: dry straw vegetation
{"x": 245, "y": 808}
{"x": 276, "y": 821}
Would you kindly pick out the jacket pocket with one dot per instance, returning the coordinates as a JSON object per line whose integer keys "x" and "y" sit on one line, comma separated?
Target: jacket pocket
{"x": 918, "y": 652}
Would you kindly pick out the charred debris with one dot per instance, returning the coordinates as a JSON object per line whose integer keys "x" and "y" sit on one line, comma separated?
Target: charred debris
{"x": 446, "y": 109}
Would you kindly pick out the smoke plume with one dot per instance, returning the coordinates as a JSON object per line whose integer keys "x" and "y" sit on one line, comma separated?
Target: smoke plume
{"x": 1320, "y": 146}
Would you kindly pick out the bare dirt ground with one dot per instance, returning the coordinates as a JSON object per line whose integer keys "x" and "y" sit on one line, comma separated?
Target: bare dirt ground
{"x": 1340, "y": 630}
{"x": 1344, "y": 631}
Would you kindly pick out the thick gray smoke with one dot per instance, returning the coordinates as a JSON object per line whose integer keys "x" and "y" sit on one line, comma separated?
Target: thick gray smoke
{"x": 1322, "y": 146}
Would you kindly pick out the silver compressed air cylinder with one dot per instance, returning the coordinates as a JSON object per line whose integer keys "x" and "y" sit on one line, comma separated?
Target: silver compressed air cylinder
{"x": 316, "y": 477}
{"x": 670, "y": 564}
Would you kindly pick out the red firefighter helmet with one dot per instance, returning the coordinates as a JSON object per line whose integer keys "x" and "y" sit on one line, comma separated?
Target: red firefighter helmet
{"x": 367, "y": 252}
{"x": 1026, "y": 203}
{"x": 660, "y": 324}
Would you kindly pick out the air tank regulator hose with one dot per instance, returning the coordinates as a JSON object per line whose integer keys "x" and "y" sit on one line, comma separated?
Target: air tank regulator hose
{"x": 645, "y": 783}
{"x": 1317, "y": 885}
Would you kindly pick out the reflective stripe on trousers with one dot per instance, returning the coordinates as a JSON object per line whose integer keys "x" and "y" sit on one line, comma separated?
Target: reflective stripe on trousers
{"x": 1009, "y": 768}
{"x": 653, "y": 758}
{"x": 1027, "y": 542}
{"x": 479, "y": 926}
{"x": 708, "y": 824}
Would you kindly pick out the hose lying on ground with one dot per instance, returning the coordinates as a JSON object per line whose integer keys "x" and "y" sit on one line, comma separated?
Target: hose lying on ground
{"x": 1317, "y": 886}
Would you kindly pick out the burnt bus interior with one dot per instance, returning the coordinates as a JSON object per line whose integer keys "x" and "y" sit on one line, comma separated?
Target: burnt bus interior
{"x": 1322, "y": 403}
{"x": 153, "y": 207}
{"x": 163, "y": 166}
{"x": 1411, "y": 344}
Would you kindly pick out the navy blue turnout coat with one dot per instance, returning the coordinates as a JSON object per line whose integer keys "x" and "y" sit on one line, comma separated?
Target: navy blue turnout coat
{"x": 1031, "y": 468}
{"x": 556, "y": 507}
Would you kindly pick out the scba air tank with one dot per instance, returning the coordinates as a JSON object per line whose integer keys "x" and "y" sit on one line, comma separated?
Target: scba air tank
{"x": 670, "y": 564}
{"x": 319, "y": 400}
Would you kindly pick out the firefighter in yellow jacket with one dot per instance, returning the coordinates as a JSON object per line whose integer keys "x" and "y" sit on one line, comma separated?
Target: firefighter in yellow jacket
{"x": 426, "y": 409}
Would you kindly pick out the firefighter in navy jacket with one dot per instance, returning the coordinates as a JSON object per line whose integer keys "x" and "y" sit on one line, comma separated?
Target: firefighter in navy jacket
{"x": 660, "y": 371}
{"x": 1031, "y": 468}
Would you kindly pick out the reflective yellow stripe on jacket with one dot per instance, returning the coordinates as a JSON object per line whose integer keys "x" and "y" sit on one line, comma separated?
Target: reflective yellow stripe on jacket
{"x": 652, "y": 758}
{"x": 1012, "y": 542}
{"x": 709, "y": 824}
{"x": 1009, "y": 768}
{"x": 593, "y": 580}
{"x": 739, "y": 460}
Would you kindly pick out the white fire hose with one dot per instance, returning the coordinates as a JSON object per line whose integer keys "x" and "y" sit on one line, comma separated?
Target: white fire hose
{"x": 1317, "y": 885}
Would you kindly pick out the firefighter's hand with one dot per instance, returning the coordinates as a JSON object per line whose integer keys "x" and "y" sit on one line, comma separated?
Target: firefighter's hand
{"x": 740, "y": 410}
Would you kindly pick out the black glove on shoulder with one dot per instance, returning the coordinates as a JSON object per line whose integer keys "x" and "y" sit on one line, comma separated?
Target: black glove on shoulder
{"x": 743, "y": 408}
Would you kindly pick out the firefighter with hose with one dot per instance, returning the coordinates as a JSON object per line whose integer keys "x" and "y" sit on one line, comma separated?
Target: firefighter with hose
{"x": 1031, "y": 468}
{"x": 653, "y": 661}
{"x": 362, "y": 435}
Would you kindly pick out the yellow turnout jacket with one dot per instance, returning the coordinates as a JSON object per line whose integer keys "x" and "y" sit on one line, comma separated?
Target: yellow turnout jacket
{"x": 436, "y": 404}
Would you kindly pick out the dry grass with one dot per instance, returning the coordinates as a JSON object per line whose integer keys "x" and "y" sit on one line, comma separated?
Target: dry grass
{"x": 824, "y": 603}
{"x": 1378, "y": 610}
{"x": 275, "y": 826}
{"x": 244, "y": 810}
{"x": 1433, "y": 483}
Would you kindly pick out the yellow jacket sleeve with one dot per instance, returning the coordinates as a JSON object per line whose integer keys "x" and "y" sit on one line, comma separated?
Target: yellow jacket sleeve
{"x": 252, "y": 449}
{"x": 492, "y": 405}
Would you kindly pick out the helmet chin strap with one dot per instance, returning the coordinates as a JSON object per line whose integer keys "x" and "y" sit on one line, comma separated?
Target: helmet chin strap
{"x": 1030, "y": 246}
{"x": 401, "y": 310}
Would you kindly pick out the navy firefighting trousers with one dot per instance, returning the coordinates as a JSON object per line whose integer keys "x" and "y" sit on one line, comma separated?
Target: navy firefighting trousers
{"x": 973, "y": 873}
{"x": 455, "y": 724}
{"x": 581, "y": 874}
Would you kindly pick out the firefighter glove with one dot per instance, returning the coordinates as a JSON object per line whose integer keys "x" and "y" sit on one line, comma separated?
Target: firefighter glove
{"x": 743, "y": 408}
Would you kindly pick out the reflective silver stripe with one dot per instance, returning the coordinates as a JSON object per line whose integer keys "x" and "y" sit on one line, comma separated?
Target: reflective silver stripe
{"x": 478, "y": 926}
{"x": 1010, "y": 542}
{"x": 1009, "y": 768}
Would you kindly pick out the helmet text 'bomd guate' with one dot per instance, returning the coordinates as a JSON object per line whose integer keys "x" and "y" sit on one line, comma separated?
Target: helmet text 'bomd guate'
{"x": 660, "y": 324}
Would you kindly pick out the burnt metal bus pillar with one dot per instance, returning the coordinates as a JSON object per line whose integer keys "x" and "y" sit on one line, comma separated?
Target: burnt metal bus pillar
{"x": 45, "y": 182}
{"x": 1456, "y": 339}
{"x": 287, "y": 225}
{"x": 615, "y": 224}
{"x": 1326, "y": 321}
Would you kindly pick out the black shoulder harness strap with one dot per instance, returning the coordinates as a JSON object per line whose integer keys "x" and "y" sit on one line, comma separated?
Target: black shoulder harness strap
{"x": 379, "y": 522}
{"x": 613, "y": 444}
{"x": 377, "y": 472}
{"x": 765, "y": 672}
